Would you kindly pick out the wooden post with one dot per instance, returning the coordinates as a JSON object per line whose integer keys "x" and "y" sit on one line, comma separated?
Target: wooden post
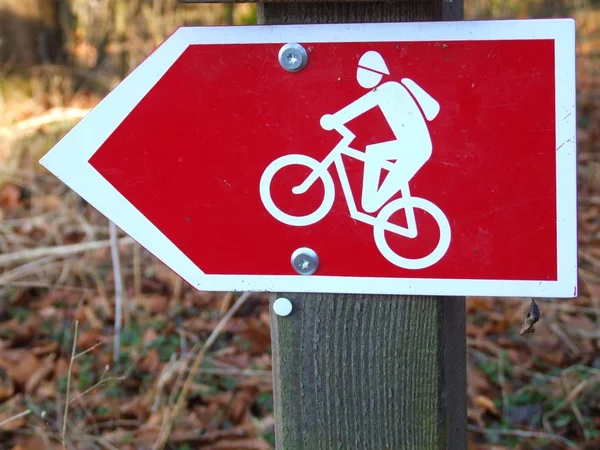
{"x": 358, "y": 372}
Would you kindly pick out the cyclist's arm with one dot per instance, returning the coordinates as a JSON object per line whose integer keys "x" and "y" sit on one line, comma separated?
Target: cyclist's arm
{"x": 357, "y": 107}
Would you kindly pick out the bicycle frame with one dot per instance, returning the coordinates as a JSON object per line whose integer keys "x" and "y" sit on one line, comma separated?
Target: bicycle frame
{"x": 335, "y": 157}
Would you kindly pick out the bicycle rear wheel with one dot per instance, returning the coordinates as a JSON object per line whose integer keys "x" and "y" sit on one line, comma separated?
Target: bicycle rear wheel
{"x": 381, "y": 226}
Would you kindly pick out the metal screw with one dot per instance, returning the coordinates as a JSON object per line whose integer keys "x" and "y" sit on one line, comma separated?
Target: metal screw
{"x": 305, "y": 261}
{"x": 293, "y": 57}
{"x": 282, "y": 307}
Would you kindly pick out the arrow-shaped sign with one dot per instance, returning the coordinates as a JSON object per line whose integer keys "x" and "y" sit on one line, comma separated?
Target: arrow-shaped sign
{"x": 412, "y": 158}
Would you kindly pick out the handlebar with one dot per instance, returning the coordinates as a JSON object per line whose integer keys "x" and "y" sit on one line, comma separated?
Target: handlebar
{"x": 344, "y": 131}
{"x": 328, "y": 122}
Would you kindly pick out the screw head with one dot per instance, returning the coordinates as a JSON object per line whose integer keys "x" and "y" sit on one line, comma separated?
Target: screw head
{"x": 282, "y": 307}
{"x": 293, "y": 57}
{"x": 305, "y": 261}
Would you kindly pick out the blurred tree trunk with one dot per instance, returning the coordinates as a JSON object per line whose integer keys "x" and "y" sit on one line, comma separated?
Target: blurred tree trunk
{"x": 121, "y": 32}
{"x": 30, "y": 33}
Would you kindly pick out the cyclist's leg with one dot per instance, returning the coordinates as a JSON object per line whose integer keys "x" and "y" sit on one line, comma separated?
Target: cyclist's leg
{"x": 376, "y": 192}
{"x": 375, "y": 156}
{"x": 408, "y": 163}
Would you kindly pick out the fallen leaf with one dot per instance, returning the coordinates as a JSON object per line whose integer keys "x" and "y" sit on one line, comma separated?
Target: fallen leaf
{"x": 46, "y": 348}
{"x": 156, "y": 304}
{"x": 46, "y": 390}
{"x": 10, "y": 409}
{"x": 255, "y": 333}
{"x": 33, "y": 443}
{"x": 211, "y": 437}
{"x": 478, "y": 382}
{"x": 150, "y": 363}
{"x": 61, "y": 368}
{"x": 87, "y": 314}
{"x": 88, "y": 339}
{"x": 47, "y": 312}
{"x": 578, "y": 322}
{"x": 117, "y": 436}
{"x": 10, "y": 195}
{"x": 19, "y": 365}
{"x": 37, "y": 376}
{"x": 46, "y": 203}
{"x": 478, "y": 304}
{"x": 150, "y": 335}
{"x": 206, "y": 413}
{"x": 241, "y": 444}
{"x": 485, "y": 403}
{"x": 475, "y": 331}
{"x": 240, "y": 405}
{"x": 136, "y": 408}
{"x": 7, "y": 387}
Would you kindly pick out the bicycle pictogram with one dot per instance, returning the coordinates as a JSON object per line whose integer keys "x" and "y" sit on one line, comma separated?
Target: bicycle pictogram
{"x": 406, "y": 107}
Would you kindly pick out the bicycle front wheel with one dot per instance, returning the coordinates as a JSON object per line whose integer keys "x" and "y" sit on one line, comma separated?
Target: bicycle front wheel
{"x": 315, "y": 166}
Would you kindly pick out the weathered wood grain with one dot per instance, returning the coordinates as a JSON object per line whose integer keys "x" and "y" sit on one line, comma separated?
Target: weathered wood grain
{"x": 370, "y": 373}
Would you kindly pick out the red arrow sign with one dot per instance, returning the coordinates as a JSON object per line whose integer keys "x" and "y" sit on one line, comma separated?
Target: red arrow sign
{"x": 430, "y": 158}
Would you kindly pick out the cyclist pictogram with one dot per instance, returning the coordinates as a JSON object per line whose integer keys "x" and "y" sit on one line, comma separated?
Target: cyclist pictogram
{"x": 407, "y": 108}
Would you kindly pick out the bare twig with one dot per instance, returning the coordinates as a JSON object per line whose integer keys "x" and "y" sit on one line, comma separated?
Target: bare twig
{"x": 54, "y": 115}
{"x": 58, "y": 251}
{"x": 595, "y": 302}
{"x": 518, "y": 371}
{"x": 15, "y": 417}
{"x": 182, "y": 341}
{"x": 102, "y": 295}
{"x": 181, "y": 367}
{"x": 44, "y": 285}
{"x": 96, "y": 345}
{"x": 42, "y": 432}
{"x": 579, "y": 418}
{"x": 576, "y": 411}
{"x": 137, "y": 273}
{"x": 174, "y": 366}
{"x": 592, "y": 276}
{"x": 177, "y": 287}
{"x": 485, "y": 345}
{"x": 589, "y": 258}
{"x": 102, "y": 382}
{"x": 564, "y": 337}
{"x": 69, "y": 373}
{"x": 114, "y": 423}
{"x": 238, "y": 372}
{"x": 27, "y": 269}
{"x": 570, "y": 398}
{"x": 523, "y": 433}
{"x": 102, "y": 441}
{"x": 114, "y": 251}
{"x": 64, "y": 273}
{"x": 174, "y": 413}
{"x": 502, "y": 382}
{"x": 226, "y": 303}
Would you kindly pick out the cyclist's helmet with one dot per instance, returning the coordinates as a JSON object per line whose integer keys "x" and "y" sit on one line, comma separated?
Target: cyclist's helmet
{"x": 371, "y": 68}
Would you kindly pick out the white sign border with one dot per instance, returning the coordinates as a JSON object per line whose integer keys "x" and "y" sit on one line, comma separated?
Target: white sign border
{"x": 68, "y": 160}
